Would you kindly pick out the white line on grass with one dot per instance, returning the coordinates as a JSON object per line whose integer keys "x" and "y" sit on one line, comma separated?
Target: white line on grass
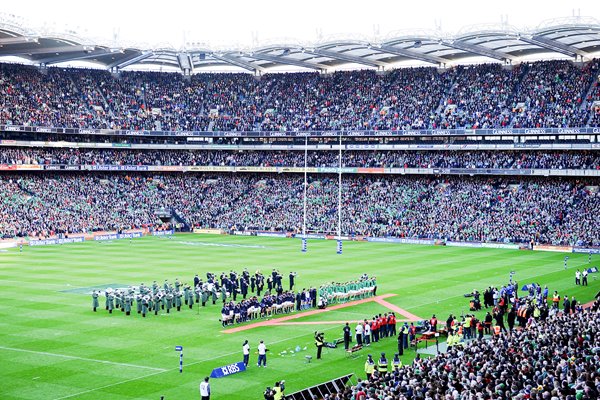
{"x": 168, "y": 370}
{"x": 111, "y": 385}
{"x": 43, "y": 285}
{"x": 82, "y": 358}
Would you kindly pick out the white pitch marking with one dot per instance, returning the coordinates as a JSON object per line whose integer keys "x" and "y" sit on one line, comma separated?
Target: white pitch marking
{"x": 172, "y": 369}
{"x": 111, "y": 385}
{"x": 82, "y": 358}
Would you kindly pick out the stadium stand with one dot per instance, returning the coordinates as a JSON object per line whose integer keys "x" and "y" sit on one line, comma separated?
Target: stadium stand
{"x": 553, "y": 211}
{"x": 390, "y": 159}
{"x": 539, "y": 362}
{"x": 540, "y": 94}
{"x": 85, "y": 151}
{"x": 545, "y": 94}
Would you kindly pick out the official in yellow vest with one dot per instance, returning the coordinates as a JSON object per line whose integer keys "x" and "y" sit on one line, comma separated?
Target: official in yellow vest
{"x": 319, "y": 342}
{"x": 382, "y": 365}
{"x": 369, "y": 366}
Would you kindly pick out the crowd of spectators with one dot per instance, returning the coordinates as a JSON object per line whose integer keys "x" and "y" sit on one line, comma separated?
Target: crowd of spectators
{"x": 44, "y": 206}
{"x": 541, "y": 94}
{"x": 558, "y": 358}
{"x": 593, "y": 102}
{"x": 263, "y": 158}
{"x": 479, "y": 97}
{"x": 551, "y": 95}
{"x": 542, "y": 210}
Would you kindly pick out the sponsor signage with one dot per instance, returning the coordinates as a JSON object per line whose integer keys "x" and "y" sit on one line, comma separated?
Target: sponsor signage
{"x": 162, "y": 233}
{"x": 594, "y": 250}
{"x": 350, "y": 133}
{"x": 335, "y": 237}
{"x": 48, "y": 242}
{"x": 558, "y": 249}
{"x": 400, "y": 240}
{"x": 271, "y": 234}
{"x": 463, "y": 244}
{"x": 209, "y": 231}
{"x": 510, "y": 246}
{"x": 118, "y": 236}
{"x": 227, "y": 370}
{"x": 311, "y": 236}
{"x": 116, "y": 167}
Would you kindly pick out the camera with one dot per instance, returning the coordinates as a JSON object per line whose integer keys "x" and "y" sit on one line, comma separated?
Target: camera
{"x": 269, "y": 393}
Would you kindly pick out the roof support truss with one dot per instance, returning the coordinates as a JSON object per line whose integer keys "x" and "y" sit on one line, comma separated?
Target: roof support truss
{"x": 18, "y": 40}
{"x": 288, "y": 61}
{"x": 412, "y": 54}
{"x": 553, "y": 45}
{"x": 47, "y": 50}
{"x": 346, "y": 57}
{"x": 477, "y": 49}
{"x": 130, "y": 61}
{"x": 229, "y": 59}
{"x": 70, "y": 57}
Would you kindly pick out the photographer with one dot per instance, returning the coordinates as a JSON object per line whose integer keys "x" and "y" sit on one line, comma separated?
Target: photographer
{"x": 319, "y": 342}
{"x": 269, "y": 393}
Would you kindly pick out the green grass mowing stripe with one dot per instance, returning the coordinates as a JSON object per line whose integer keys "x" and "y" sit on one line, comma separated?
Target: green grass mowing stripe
{"x": 44, "y": 353}
{"x": 35, "y": 315}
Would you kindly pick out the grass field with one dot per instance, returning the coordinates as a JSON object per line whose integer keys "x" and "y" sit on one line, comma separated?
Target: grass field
{"x": 52, "y": 346}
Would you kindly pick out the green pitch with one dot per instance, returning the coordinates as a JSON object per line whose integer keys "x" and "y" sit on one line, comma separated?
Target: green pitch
{"x": 52, "y": 346}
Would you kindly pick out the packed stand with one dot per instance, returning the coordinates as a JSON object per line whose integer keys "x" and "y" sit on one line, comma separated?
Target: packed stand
{"x": 537, "y": 362}
{"x": 480, "y": 97}
{"x": 552, "y": 95}
{"x": 58, "y": 204}
{"x": 551, "y": 211}
{"x": 594, "y": 96}
{"x": 411, "y": 98}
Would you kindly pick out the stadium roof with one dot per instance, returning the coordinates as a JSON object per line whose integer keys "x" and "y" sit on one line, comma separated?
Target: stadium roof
{"x": 575, "y": 37}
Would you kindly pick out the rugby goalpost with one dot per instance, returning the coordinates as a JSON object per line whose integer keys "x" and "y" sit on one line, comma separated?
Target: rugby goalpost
{"x": 304, "y": 245}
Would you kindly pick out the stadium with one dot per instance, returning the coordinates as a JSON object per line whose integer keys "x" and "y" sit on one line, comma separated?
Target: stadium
{"x": 406, "y": 213}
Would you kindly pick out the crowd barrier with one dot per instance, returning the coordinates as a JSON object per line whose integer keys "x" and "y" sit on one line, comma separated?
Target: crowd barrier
{"x": 322, "y": 390}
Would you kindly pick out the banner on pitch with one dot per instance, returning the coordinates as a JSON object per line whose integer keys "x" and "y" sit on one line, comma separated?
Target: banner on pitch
{"x": 227, "y": 370}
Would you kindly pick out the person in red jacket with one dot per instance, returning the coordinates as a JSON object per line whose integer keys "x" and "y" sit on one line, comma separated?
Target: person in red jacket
{"x": 383, "y": 330}
{"x": 392, "y": 324}
{"x": 375, "y": 329}
{"x": 433, "y": 322}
